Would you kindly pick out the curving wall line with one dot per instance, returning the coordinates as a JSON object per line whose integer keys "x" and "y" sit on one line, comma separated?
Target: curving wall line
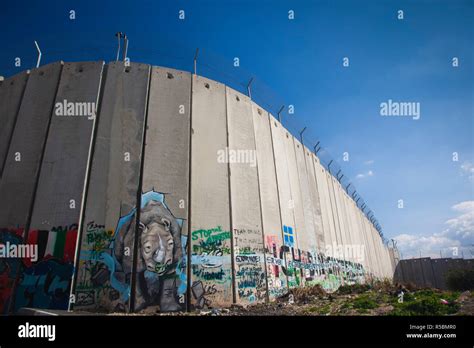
{"x": 233, "y": 208}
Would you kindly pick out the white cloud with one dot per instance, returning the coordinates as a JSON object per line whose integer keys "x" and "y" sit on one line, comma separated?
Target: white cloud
{"x": 467, "y": 168}
{"x": 462, "y": 226}
{"x": 458, "y": 237}
{"x": 365, "y": 175}
{"x": 369, "y": 162}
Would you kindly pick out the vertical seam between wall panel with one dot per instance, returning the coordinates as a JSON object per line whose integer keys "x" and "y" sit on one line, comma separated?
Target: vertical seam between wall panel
{"x": 319, "y": 199}
{"x": 267, "y": 298}
{"x": 95, "y": 127}
{"x": 188, "y": 246}
{"x": 139, "y": 195}
{"x": 15, "y": 118}
{"x": 313, "y": 219}
{"x": 232, "y": 253}
{"x": 300, "y": 250}
{"x": 279, "y": 203}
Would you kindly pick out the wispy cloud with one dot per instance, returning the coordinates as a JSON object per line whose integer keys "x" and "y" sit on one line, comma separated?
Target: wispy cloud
{"x": 456, "y": 238}
{"x": 369, "y": 162}
{"x": 467, "y": 169}
{"x": 365, "y": 175}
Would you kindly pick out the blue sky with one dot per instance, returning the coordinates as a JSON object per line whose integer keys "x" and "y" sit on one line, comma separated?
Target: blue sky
{"x": 299, "y": 62}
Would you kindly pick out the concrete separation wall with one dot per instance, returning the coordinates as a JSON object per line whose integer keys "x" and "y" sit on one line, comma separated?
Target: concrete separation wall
{"x": 21, "y": 170}
{"x": 315, "y": 201}
{"x": 270, "y": 207}
{"x": 427, "y": 272}
{"x": 11, "y": 92}
{"x": 108, "y": 231}
{"x": 58, "y": 199}
{"x": 308, "y": 238}
{"x": 166, "y": 177}
{"x": 290, "y": 248}
{"x": 168, "y": 192}
{"x": 296, "y": 204}
{"x": 246, "y": 219}
{"x": 211, "y": 238}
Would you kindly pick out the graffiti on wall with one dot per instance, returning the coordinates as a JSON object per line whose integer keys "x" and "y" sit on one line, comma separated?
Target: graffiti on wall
{"x": 250, "y": 279}
{"x": 276, "y": 278}
{"x": 211, "y": 267}
{"x": 107, "y": 262}
{"x": 9, "y": 268}
{"x": 46, "y": 282}
{"x": 98, "y": 283}
{"x": 292, "y": 255}
{"x": 306, "y": 268}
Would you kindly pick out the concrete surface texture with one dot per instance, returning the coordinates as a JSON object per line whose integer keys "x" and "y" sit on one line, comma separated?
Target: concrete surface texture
{"x": 11, "y": 93}
{"x": 246, "y": 219}
{"x": 326, "y": 218}
{"x": 108, "y": 229}
{"x": 167, "y": 191}
{"x": 211, "y": 237}
{"x": 21, "y": 170}
{"x": 270, "y": 206}
{"x": 315, "y": 200}
{"x": 60, "y": 188}
{"x": 166, "y": 172}
{"x": 290, "y": 246}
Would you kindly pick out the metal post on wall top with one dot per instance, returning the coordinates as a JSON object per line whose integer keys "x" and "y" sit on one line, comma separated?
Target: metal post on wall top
{"x": 195, "y": 61}
{"x": 39, "y": 55}
{"x": 119, "y": 37}
{"x": 248, "y": 88}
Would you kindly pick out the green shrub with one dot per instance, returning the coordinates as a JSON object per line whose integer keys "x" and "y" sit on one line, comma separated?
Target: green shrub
{"x": 353, "y": 289}
{"x": 426, "y": 302}
{"x": 460, "y": 279}
{"x": 364, "y": 302}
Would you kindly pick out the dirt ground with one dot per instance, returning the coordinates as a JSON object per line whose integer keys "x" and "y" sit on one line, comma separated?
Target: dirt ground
{"x": 380, "y": 298}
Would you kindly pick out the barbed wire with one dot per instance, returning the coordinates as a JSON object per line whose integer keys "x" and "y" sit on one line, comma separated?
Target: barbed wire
{"x": 222, "y": 70}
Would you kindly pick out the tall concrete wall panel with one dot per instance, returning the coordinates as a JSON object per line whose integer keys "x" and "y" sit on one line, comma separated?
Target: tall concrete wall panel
{"x": 296, "y": 199}
{"x": 428, "y": 273}
{"x": 417, "y": 269}
{"x": 324, "y": 202}
{"x": 337, "y": 234}
{"x": 109, "y": 224}
{"x": 307, "y": 237}
{"x": 210, "y": 212}
{"x": 11, "y": 92}
{"x": 290, "y": 242}
{"x": 249, "y": 258}
{"x": 439, "y": 264}
{"x": 347, "y": 209}
{"x": 374, "y": 247}
{"x": 22, "y": 166}
{"x": 270, "y": 207}
{"x": 60, "y": 192}
{"x": 165, "y": 190}
{"x": 315, "y": 200}
{"x": 341, "y": 218}
{"x": 26, "y": 150}
{"x": 367, "y": 244}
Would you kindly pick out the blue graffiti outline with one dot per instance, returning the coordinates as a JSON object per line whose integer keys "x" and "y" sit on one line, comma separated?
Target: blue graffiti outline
{"x": 124, "y": 289}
